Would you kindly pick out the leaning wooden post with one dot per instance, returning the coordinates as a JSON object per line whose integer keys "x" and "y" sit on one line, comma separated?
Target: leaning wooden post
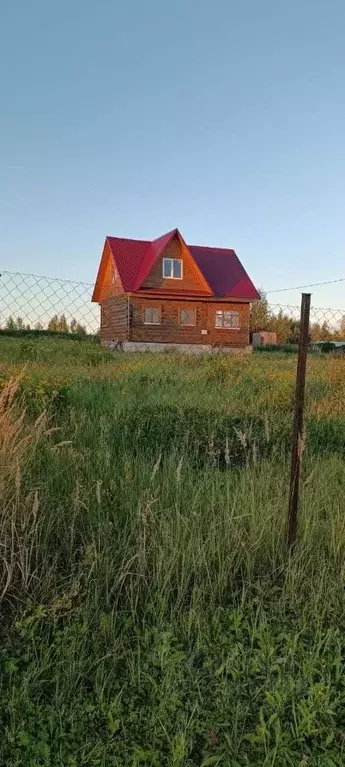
{"x": 298, "y": 421}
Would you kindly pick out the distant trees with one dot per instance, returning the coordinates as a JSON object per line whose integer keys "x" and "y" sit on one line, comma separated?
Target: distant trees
{"x": 57, "y": 324}
{"x": 16, "y": 324}
{"x": 287, "y": 327}
{"x": 321, "y": 332}
{"x": 262, "y": 318}
{"x": 60, "y": 325}
{"x": 342, "y": 328}
{"x": 76, "y": 327}
{"x": 260, "y": 314}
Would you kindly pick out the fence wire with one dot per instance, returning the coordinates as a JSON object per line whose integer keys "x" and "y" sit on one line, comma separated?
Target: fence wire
{"x": 29, "y": 301}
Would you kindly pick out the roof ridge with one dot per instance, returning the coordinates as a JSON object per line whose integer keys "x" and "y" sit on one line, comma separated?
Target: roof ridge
{"x": 212, "y": 247}
{"x": 127, "y": 239}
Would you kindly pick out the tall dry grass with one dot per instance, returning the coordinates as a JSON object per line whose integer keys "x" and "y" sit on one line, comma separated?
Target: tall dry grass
{"x": 19, "y": 505}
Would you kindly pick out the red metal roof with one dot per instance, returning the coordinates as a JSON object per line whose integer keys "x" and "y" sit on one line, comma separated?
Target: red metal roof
{"x": 224, "y": 272}
{"x": 128, "y": 255}
{"x": 153, "y": 252}
{"x": 220, "y": 267}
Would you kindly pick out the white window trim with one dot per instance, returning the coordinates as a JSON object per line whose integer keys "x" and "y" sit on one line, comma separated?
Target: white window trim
{"x": 172, "y": 276}
{"x": 187, "y": 324}
{"x": 224, "y": 327}
{"x": 152, "y": 309}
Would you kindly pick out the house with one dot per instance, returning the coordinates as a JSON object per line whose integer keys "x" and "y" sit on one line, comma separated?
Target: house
{"x": 167, "y": 292}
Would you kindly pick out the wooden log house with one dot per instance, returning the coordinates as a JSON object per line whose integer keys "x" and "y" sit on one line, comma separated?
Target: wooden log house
{"x": 167, "y": 292}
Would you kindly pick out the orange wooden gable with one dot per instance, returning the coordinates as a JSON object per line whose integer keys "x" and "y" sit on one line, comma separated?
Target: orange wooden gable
{"x": 108, "y": 282}
{"x": 192, "y": 280}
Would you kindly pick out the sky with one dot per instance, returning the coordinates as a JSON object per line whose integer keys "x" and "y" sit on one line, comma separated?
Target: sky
{"x": 129, "y": 118}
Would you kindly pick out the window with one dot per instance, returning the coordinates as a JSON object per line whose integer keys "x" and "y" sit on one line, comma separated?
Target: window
{"x": 172, "y": 268}
{"x": 114, "y": 275}
{"x": 105, "y": 316}
{"x": 151, "y": 316}
{"x": 187, "y": 316}
{"x": 227, "y": 319}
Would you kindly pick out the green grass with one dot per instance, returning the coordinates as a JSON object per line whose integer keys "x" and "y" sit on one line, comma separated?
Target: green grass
{"x": 150, "y": 614}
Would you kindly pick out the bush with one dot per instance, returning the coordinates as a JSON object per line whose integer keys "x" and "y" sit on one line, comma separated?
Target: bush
{"x": 32, "y": 333}
{"x": 328, "y": 347}
{"x": 283, "y": 348}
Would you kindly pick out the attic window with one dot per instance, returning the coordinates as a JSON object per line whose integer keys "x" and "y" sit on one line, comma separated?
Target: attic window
{"x": 114, "y": 275}
{"x": 172, "y": 268}
{"x": 227, "y": 319}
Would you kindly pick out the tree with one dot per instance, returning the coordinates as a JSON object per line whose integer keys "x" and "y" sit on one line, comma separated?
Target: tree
{"x": 58, "y": 324}
{"x": 321, "y": 332}
{"x": 17, "y": 324}
{"x": 76, "y": 327}
{"x": 10, "y": 324}
{"x": 38, "y": 326}
{"x": 283, "y": 326}
{"x": 53, "y": 323}
{"x": 260, "y": 314}
{"x": 293, "y": 337}
{"x": 342, "y": 327}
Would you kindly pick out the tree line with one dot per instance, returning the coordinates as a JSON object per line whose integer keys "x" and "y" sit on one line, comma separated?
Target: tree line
{"x": 57, "y": 323}
{"x": 287, "y": 328}
{"x": 261, "y": 318}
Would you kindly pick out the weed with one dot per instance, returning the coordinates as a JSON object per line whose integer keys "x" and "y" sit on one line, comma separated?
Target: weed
{"x": 149, "y": 613}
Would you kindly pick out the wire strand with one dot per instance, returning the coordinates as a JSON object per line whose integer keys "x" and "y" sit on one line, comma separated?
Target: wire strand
{"x": 311, "y": 285}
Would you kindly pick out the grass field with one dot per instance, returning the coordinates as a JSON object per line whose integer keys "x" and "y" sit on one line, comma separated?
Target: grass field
{"x": 149, "y": 612}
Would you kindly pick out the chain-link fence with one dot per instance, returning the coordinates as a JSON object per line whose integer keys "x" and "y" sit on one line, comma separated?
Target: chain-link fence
{"x": 283, "y": 321}
{"x": 29, "y": 301}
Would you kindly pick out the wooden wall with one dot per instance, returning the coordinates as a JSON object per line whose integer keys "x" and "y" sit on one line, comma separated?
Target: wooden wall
{"x": 114, "y": 319}
{"x": 122, "y": 318}
{"x": 170, "y": 331}
{"x": 228, "y": 336}
{"x": 191, "y": 279}
{"x": 111, "y": 283}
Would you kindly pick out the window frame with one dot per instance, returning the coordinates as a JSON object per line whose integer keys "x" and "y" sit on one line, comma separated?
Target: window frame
{"x": 222, "y": 312}
{"x": 105, "y": 320}
{"x": 187, "y": 324}
{"x": 152, "y": 309}
{"x": 171, "y": 275}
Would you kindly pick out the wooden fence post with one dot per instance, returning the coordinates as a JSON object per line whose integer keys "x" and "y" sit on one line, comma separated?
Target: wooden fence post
{"x": 298, "y": 421}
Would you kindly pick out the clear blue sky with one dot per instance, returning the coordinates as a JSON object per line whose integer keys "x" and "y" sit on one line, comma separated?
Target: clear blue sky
{"x": 225, "y": 119}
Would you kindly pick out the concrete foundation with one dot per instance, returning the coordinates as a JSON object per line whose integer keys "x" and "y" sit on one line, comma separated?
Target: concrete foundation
{"x": 136, "y": 346}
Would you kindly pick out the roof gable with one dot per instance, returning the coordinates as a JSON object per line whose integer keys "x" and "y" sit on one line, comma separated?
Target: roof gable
{"x": 105, "y": 284}
{"x": 220, "y": 271}
{"x": 156, "y": 251}
{"x": 153, "y": 252}
{"x": 128, "y": 255}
